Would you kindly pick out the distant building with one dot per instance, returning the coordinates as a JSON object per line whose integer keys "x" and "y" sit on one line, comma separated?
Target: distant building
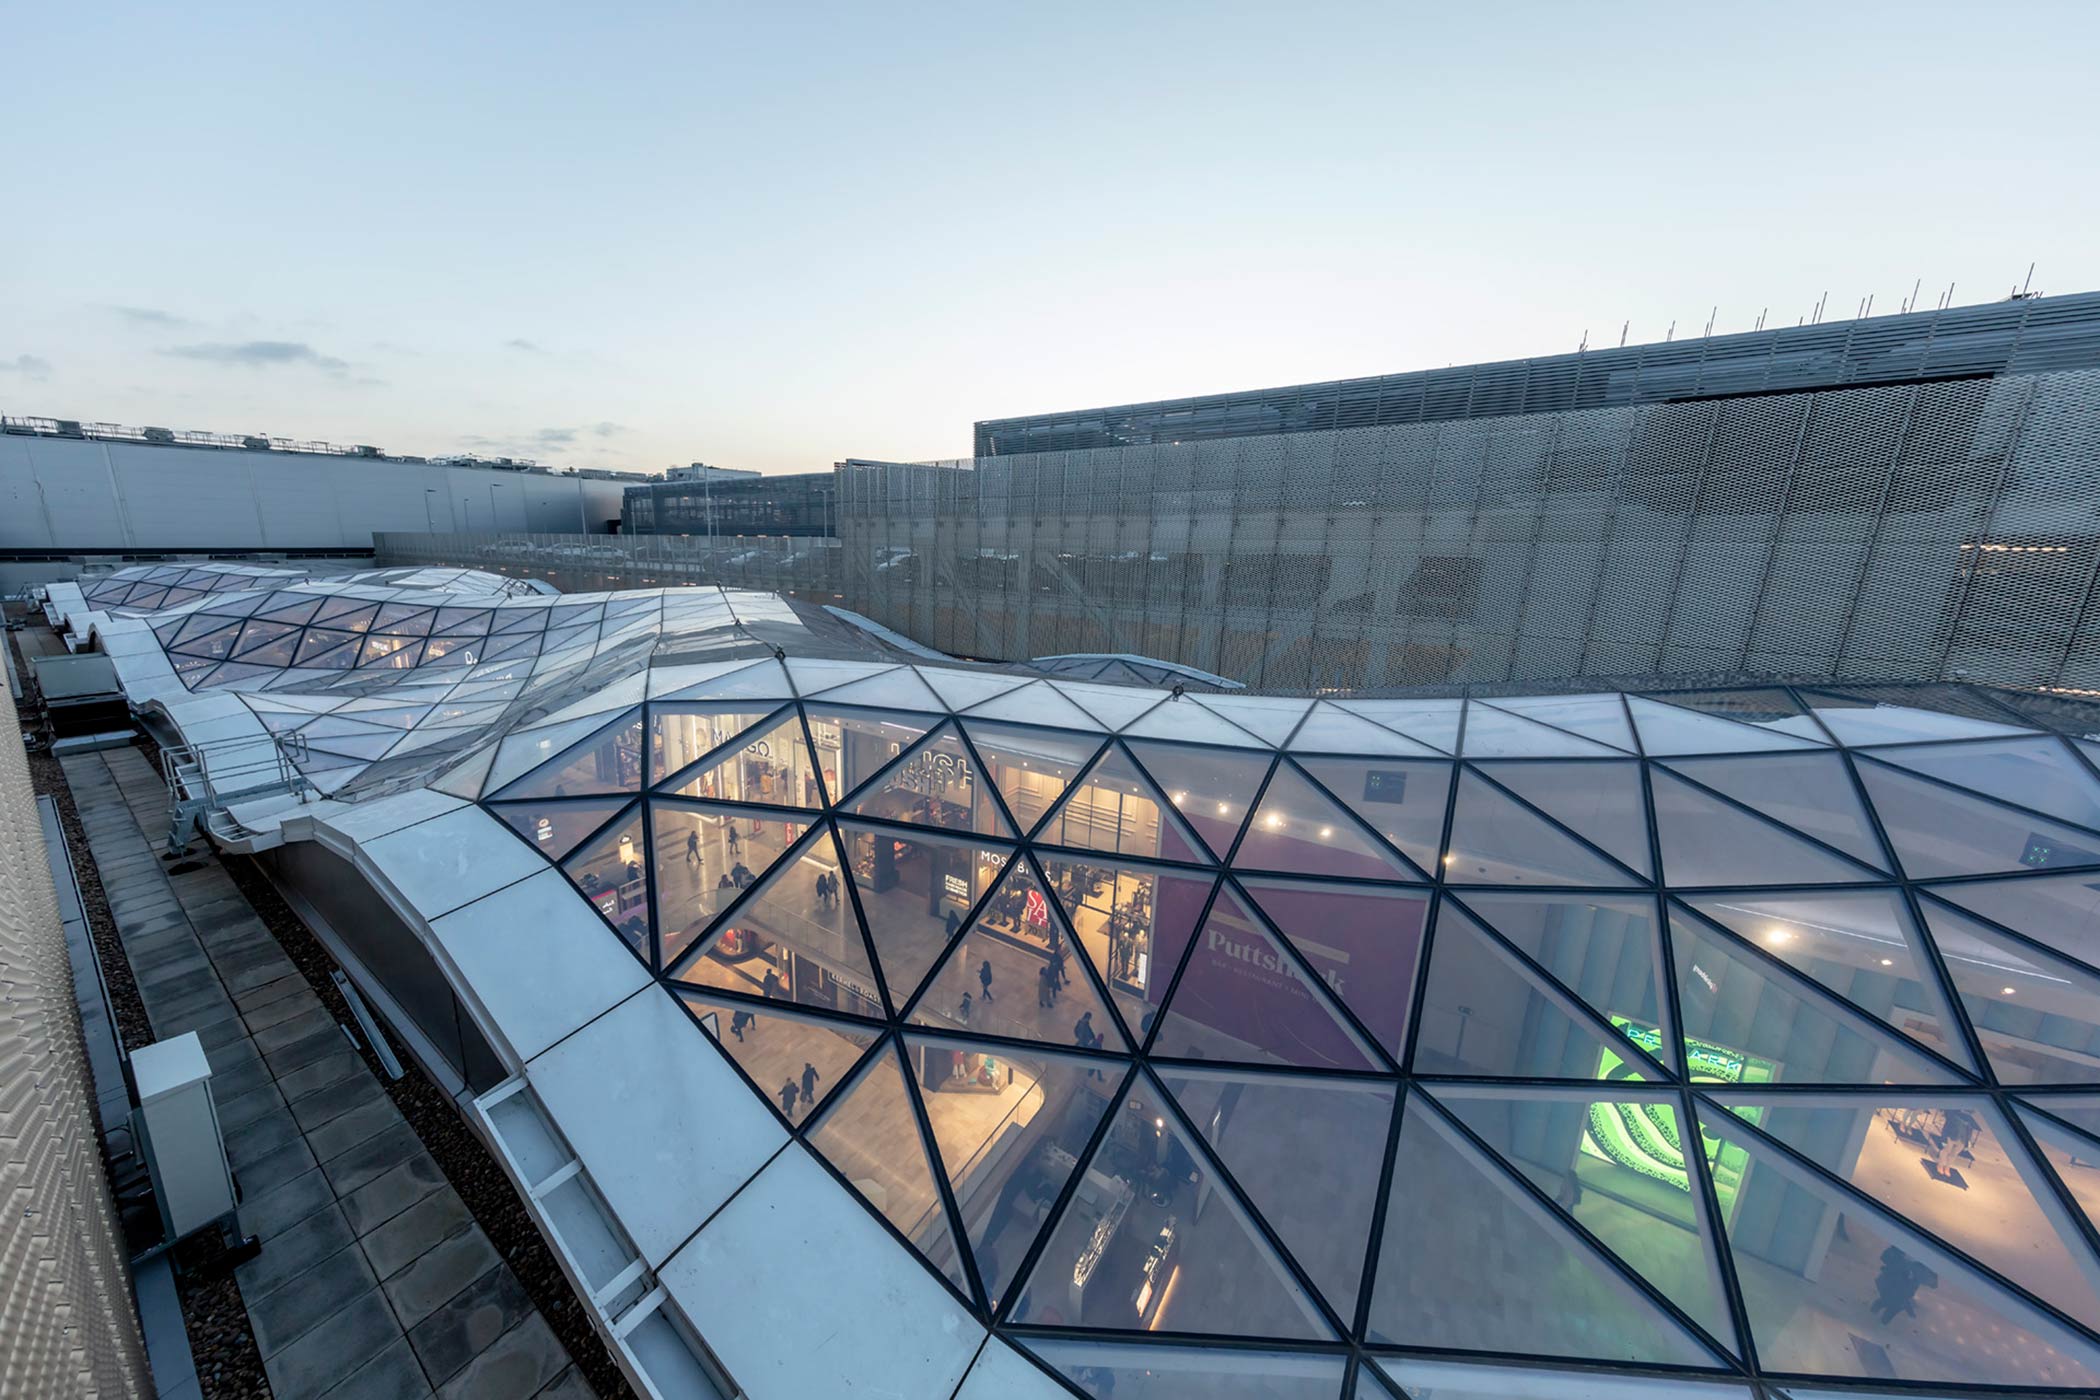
{"x": 701, "y": 471}
{"x": 732, "y": 503}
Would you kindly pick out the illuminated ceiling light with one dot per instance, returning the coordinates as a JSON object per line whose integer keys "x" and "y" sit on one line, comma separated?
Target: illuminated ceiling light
{"x": 1223, "y": 809}
{"x": 1274, "y": 821}
{"x": 1888, "y": 962}
{"x": 2008, "y": 991}
{"x": 1177, "y": 798}
{"x": 1777, "y": 935}
{"x": 1325, "y": 832}
{"x": 1450, "y": 857}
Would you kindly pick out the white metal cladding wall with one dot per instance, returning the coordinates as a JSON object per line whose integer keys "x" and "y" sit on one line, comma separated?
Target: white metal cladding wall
{"x": 1904, "y": 531}
{"x": 68, "y": 1326}
{"x": 66, "y": 494}
{"x": 804, "y": 567}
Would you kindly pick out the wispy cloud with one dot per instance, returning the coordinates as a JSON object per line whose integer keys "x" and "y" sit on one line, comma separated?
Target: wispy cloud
{"x": 152, "y": 316}
{"x": 606, "y": 430}
{"x": 28, "y": 366}
{"x": 521, "y": 343}
{"x": 260, "y": 354}
{"x": 547, "y": 442}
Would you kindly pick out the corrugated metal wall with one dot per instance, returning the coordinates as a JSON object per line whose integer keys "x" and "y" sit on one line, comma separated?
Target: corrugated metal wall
{"x": 68, "y": 1326}
{"x": 1929, "y": 530}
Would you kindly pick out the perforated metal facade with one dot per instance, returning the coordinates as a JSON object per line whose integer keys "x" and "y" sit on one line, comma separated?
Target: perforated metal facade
{"x": 67, "y": 1325}
{"x": 1920, "y": 530}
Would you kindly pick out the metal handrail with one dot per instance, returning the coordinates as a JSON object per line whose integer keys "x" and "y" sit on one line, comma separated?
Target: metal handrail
{"x": 200, "y": 789}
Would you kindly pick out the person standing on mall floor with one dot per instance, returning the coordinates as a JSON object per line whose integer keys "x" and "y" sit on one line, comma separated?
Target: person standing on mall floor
{"x": 1042, "y": 986}
{"x": 984, "y": 978}
{"x": 729, "y": 835}
{"x": 963, "y": 1008}
{"x": 773, "y": 986}
{"x": 737, "y": 1022}
{"x": 788, "y": 1093}
{"x": 809, "y": 1084}
{"x": 692, "y": 848}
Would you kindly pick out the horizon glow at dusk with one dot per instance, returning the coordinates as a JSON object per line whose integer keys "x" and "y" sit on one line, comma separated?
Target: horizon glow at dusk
{"x": 777, "y": 237}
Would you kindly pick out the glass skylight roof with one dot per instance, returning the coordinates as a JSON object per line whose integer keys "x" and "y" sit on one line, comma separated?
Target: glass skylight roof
{"x": 1708, "y": 1048}
{"x": 1738, "y": 1042}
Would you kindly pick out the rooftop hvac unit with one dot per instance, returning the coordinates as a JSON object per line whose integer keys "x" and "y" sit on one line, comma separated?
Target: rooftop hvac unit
{"x": 68, "y": 427}
{"x": 161, "y": 435}
{"x": 185, "y": 1148}
{"x": 364, "y": 451}
{"x": 256, "y": 444}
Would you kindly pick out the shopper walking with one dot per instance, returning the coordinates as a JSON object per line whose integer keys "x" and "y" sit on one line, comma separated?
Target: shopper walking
{"x": 788, "y": 1094}
{"x": 809, "y": 1083}
{"x": 984, "y": 978}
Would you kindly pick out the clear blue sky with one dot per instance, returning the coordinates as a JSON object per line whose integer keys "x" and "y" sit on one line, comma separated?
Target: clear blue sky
{"x": 772, "y": 236}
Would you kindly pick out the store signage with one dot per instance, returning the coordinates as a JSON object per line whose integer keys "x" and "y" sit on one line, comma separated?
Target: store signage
{"x": 933, "y": 773}
{"x": 958, "y": 888}
{"x": 543, "y": 830}
{"x": 1388, "y": 785}
{"x": 1038, "y": 910}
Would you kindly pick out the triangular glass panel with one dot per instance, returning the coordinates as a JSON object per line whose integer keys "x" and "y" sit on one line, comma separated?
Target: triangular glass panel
{"x": 1600, "y": 800}
{"x": 1486, "y": 1011}
{"x": 1210, "y": 788}
{"x": 555, "y": 828}
{"x": 388, "y": 652}
{"x": 1184, "y": 721}
{"x": 1151, "y": 1371}
{"x": 1604, "y": 948}
{"x": 1667, "y": 731}
{"x": 1155, "y": 1240}
{"x": 2057, "y": 911}
{"x": 365, "y": 746}
{"x": 324, "y": 649}
{"x": 1493, "y": 733}
{"x": 1009, "y": 1127}
{"x": 1933, "y": 1160}
{"x": 871, "y": 1136}
{"x": 1431, "y": 722}
{"x": 273, "y": 653}
{"x": 1705, "y": 841}
{"x": 681, "y": 735}
{"x": 1244, "y": 999}
{"x": 776, "y": 1048}
{"x": 216, "y": 643}
{"x": 1495, "y": 840}
{"x": 201, "y": 625}
{"x": 608, "y": 761}
{"x": 1134, "y": 923}
{"x": 1939, "y": 831}
{"x": 900, "y": 689}
{"x": 2073, "y": 1156}
{"x": 1510, "y": 1275}
{"x": 1299, "y": 829}
{"x": 1809, "y": 792}
{"x": 960, "y": 689}
{"x": 2038, "y": 1016}
{"x": 1113, "y": 705}
{"x": 1402, "y": 801}
{"x": 1363, "y": 941}
{"x": 934, "y": 785}
{"x": 1270, "y": 718}
{"x": 1115, "y": 808}
{"x": 1862, "y": 719}
{"x": 1005, "y": 977}
{"x": 1419, "y": 1379}
{"x": 1598, "y": 717}
{"x": 609, "y": 871}
{"x": 1276, "y": 1134}
{"x": 785, "y": 942}
{"x": 815, "y": 675}
{"x": 2081, "y": 1111}
{"x": 916, "y": 890}
{"x": 855, "y": 745}
{"x": 1616, "y": 1165}
{"x": 1763, "y": 705}
{"x": 762, "y": 680}
{"x": 768, "y": 763}
{"x": 1032, "y": 768}
{"x": 1835, "y": 1286}
{"x": 1036, "y": 703}
{"x": 2036, "y": 773}
{"x": 1331, "y": 729}
{"x": 260, "y": 634}
{"x": 1750, "y": 1021}
{"x": 706, "y": 855}
{"x": 1859, "y": 943}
